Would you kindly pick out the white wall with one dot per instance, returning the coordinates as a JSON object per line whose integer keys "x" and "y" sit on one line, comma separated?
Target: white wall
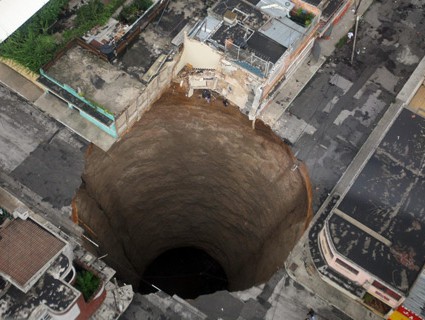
{"x": 14, "y": 13}
{"x": 363, "y": 278}
{"x": 198, "y": 55}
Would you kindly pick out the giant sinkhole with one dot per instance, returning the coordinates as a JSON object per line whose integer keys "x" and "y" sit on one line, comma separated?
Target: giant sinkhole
{"x": 194, "y": 200}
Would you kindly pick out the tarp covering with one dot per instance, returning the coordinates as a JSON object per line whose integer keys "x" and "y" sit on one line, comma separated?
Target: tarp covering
{"x": 14, "y": 13}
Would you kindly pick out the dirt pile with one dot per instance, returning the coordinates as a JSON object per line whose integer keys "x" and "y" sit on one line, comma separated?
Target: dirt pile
{"x": 191, "y": 174}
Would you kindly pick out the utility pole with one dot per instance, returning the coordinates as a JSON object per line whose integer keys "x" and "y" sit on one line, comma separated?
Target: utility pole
{"x": 356, "y": 10}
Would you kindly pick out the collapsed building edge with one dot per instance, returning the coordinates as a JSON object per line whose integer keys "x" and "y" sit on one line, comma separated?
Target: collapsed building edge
{"x": 243, "y": 54}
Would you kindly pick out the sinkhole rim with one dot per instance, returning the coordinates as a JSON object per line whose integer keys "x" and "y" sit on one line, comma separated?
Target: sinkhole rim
{"x": 269, "y": 241}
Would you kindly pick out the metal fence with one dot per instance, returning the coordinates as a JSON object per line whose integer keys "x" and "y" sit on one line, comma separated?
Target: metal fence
{"x": 248, "y": 60}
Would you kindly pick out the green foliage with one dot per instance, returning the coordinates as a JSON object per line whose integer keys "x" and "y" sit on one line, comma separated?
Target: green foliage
{"x": 128, "y": 14}
{"x": 341, "y": 42}
{"x": 368, "y": 298}
{"x": 97, "y": 105}
{"x": 31, "y": 45}
{"x": 95, "y": 13}
{"x": 48, "y": 15}
{"x": 131, "y": 12}
{"x": 90, "y": 13}
{"x": 302, "y": 17}
{"x": 4, "y": 214}
{"x": 87, "y": 283}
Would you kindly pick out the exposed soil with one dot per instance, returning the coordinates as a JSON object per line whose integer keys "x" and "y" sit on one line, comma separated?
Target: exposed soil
{"x": 195, "y": 175}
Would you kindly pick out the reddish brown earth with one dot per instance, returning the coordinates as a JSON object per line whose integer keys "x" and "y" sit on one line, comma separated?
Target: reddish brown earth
{"x": 192, "y": 174}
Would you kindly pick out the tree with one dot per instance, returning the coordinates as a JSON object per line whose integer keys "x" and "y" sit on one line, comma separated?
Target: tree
{"x": 87, "y": 283}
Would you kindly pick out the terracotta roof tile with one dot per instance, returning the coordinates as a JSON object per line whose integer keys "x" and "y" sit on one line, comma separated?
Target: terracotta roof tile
{"x": 25, "y": 248}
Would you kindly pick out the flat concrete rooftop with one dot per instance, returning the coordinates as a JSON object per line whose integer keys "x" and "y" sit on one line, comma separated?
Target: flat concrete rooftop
{"x": 387, "y": 199}
{"x": 284, "y": 31}
{"x": 97, "y": 80}
{"x": 263, "y": 28}
{"x": 237, "y": 34}
{"x": 265, "y": 47}
{"x": 246, "y": 12}
{"x": 156, "y": 39}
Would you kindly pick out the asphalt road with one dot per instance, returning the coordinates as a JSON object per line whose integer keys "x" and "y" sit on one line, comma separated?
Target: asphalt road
{"x": 343, "y": 103}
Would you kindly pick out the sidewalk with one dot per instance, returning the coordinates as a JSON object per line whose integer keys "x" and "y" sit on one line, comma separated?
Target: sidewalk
{"x": 54, "y": 107}
{"x": 292, "y": 86}
{"x": 300, "y": 266}
{"x": 19, "y": 84}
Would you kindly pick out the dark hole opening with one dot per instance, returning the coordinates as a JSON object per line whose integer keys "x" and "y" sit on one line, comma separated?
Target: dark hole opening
{"x": 188, "y": 272}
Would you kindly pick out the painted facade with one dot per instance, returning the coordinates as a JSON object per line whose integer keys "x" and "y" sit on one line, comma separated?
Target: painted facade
{"x": 353, "y": 272}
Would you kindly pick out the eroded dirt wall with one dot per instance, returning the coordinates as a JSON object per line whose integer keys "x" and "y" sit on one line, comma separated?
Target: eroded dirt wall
{"x": 193, "y": 174}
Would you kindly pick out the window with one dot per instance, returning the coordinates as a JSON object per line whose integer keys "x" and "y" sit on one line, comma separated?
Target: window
{"x": 328, "y": 248}
{"x": 346, "y": 266}
{"x": 45, "y": 316}
{"x": 386, "y": 290}
{"x": 325, "y": 246}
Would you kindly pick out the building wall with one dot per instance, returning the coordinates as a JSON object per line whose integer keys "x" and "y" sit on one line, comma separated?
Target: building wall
{"x": 234, "y": 82}
{"x": 306, "y": 6}
{"x": 291, "y": 58}
{"x": 198, "y": 55}
{"x": 212, "y": 71}
{"x": 88, "y": 308}
{"x": 403, "y": 313}
{"x": 341, "y": 12}
{"x": 152, "y": 92}
{"x": 362, "y": 278}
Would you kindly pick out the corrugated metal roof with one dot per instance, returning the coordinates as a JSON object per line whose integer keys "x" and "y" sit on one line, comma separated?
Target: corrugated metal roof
{"x": 14, "y": 13}
{"x": 284, "y": 31}
{"x": 276, "y": 8}
{"x": 416, "y": 300}
{"x": 204, "y": 29}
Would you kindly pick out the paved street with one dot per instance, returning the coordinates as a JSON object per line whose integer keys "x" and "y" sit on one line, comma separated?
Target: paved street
{"x": 340, "y": 106}
{"x": 333, "y": 116}
{"x": 352, "y": 101}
